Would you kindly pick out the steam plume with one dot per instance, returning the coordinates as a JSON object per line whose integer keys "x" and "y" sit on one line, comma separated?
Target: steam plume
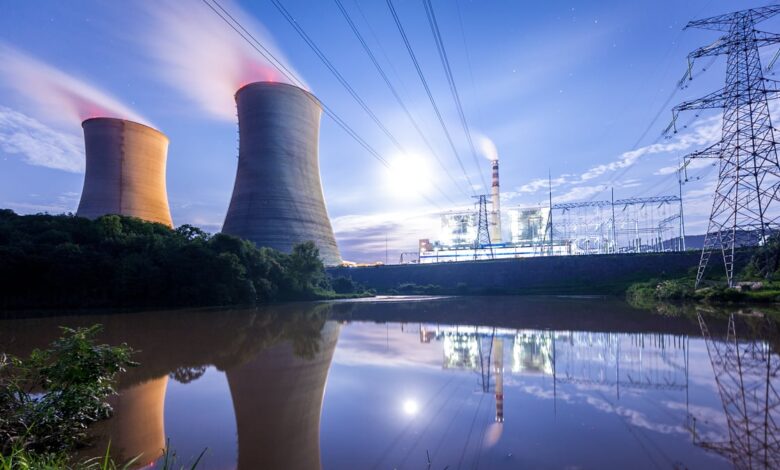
{"x": 57, "y": 95}
{"x": 487, "y": 148}
{"x": 200, "y": 55}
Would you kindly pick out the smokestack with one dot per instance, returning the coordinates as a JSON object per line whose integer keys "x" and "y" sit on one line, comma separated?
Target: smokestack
{"x": 495, "y": 214}
{"x": 125, "y": 172}
{"x": 277, "y": 198}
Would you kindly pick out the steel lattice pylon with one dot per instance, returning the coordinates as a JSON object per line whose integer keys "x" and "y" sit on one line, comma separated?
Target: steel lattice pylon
{"x": 483, "y": 229}
{"x": 749, "y": 174}
{"x": 746, "y": 372}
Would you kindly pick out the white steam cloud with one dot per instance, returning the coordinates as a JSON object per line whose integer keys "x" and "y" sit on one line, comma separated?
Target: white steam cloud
{"x": 199, "y": 54}
{"x": 487, "y": 148}
{"x": 57, "y": 95}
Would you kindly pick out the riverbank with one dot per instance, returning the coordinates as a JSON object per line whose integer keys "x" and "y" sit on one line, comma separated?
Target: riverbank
{"x": 546, "y": 275}
{"x": 63, "y": 261}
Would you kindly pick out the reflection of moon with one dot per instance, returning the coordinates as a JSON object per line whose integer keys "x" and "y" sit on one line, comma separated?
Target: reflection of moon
{"x": 277, "y": 398}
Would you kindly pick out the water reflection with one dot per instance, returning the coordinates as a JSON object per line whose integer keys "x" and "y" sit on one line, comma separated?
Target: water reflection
{"x": 469, "y": 383}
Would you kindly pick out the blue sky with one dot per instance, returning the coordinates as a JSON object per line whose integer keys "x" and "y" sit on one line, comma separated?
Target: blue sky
{"x": 572, "y": 88}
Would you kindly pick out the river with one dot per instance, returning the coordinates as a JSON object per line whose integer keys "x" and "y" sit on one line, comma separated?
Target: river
{"x": 477, "y": 382}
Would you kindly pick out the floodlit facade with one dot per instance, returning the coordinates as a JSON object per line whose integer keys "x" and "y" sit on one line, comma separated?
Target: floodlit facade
{"x": 277, "y": 197}
{"x": 125, "y": 171}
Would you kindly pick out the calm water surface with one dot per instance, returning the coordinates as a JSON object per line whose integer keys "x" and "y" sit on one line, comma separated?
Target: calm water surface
{"x": 439, "y": 383}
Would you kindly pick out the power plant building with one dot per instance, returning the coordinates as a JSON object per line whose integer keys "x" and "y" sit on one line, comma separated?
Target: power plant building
{"x": 125, "y": 171}
{"x": 277, "y": 199}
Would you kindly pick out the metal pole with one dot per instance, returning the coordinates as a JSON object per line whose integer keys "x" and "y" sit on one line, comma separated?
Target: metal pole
{"x": 682, "y": 217}
{"x": 549, "y": 186}
{"x": 614, "y": 234}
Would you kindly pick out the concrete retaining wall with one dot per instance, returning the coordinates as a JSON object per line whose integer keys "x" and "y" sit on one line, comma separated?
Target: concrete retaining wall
{"x": 594, "y": 274}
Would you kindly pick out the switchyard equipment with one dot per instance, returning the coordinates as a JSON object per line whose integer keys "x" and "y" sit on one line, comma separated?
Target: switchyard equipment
{"x": 277, "y": 198}
{"x": 632, "y": 225}
{"x": 744, "y": 206}
{"x": 125, "y": 173}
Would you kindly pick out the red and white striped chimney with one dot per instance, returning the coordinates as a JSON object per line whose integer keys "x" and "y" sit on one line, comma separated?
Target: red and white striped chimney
{"x": 495, "y": 214}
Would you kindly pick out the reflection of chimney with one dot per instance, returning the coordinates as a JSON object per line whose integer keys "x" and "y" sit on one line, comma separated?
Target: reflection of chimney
{"x": 495, "y": 214}
{"x": 498, "y": 369}
{"x": 277, "y": 398}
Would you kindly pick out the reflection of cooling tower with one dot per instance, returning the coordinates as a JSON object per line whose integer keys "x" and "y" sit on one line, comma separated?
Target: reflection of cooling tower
{"x": 125, "y": 171}
{"x": 277, "y": 197}
{"x": 137, "y": 427}
{"x": 277, "y": 398}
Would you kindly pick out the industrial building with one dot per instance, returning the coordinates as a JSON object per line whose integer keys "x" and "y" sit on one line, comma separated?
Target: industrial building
{"x": 125, "y": 171}
{"x": 635, "y": 225}
{"x": 277, "y": 199}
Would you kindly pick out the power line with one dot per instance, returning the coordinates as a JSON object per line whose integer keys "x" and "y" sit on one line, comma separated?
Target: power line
{"x": 445, "y": 61}
{"x": 255, "y": 44}
{"x": 393, "y": 90}
{"x": 287, "y": 16}
{"x": 428, "y": 90}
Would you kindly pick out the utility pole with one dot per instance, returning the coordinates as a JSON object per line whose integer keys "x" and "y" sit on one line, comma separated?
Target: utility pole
{"x": 749, "y": 173}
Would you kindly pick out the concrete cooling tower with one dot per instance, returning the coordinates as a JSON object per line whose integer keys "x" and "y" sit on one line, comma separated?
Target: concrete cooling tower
{"x": 277, "y": 197}
{"x": 125, "y": 171}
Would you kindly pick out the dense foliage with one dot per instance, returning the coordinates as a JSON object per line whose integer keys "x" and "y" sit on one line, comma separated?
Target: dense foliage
{"x": 114, "y": 261}
{"x": 48, "y": 399}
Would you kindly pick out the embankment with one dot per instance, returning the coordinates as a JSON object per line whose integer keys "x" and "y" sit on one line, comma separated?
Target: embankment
{"x": 572, "y": 275}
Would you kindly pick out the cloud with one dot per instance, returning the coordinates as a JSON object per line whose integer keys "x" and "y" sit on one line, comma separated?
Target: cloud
{"x": 693, "y": 165}
{"x": 705, "y": 134}
{"x": 579, "y": 193}
{"x": 197, "y": 53}
{"x": 542, "y": 183}
{"x": 361, "y": 238}
{"x": 39, "y": 144}
{"x": 57, "y": 95}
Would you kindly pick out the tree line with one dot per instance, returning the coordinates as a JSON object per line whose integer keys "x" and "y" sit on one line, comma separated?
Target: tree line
{"x": 56, "y": 261}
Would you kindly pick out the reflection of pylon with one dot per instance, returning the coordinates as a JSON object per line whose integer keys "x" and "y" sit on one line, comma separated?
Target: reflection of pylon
{"x": 483, "y": 228}
{"x": 745, "y": 372}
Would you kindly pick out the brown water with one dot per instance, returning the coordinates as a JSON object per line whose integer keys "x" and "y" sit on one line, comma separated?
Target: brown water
{"x": 502, "y": 382}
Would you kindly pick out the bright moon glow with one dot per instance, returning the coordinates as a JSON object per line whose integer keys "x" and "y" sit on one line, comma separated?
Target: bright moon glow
{"x": 408, "y": 176}
{"x": 410, "y": 407}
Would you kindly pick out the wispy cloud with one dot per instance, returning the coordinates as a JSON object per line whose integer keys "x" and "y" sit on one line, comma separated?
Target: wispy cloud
{"x": 704, "y": 134}
{"x": 543, "y": 183}
{"x": 363, "y": 238}
{"x": 38, "y": 144}
{"x": 57, "y": 95}
{"x": 201, "y": 56}
{"x": 578, "y": 193}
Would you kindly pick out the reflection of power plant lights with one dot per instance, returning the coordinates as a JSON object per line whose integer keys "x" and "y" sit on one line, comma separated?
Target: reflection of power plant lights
{"x": 410, "y": 407}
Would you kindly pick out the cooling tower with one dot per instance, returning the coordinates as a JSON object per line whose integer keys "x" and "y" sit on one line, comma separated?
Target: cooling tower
{"x": 125, "y": 171}
{"x": 277, "y": 197}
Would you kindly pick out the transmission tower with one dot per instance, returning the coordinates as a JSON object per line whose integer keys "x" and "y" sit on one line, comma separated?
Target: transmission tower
{"x": 749, "y": 174}
{"x": 483, "y": 228}
{"x": 747, "y": 373}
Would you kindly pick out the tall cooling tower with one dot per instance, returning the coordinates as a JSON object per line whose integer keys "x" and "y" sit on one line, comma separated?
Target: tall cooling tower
{"x": 277, "y": 197}
{"x": 125, "y": 171}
